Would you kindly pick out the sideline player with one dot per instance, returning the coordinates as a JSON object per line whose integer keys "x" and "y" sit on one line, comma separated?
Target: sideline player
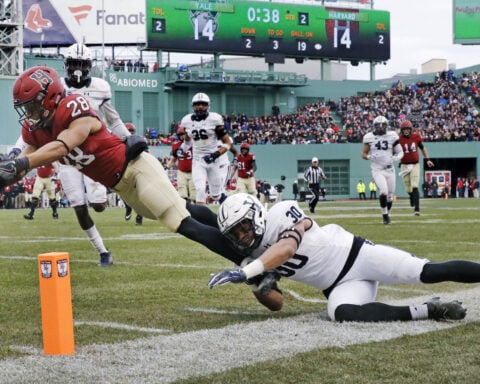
{"x": 245, "y": 165}
{"x": 44, "y": 182}
{"x": 66, "y": 128}
{"x": 383, "y": 148}
{"x": 203, "y": 129}
{"x": 411, "y": 142}
{"x": 185, "y": 186}
{"x": 347, "y": 268}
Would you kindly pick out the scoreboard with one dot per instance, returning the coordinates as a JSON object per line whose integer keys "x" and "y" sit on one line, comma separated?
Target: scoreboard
{"x": 256, "y": 28}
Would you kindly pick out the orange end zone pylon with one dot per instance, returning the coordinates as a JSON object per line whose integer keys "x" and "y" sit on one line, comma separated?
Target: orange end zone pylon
{"x": 56, "y": 303}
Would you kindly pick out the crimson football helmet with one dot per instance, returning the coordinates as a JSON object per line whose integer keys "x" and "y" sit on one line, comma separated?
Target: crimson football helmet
{"x": 380, "y": 125}
{"x": 131, "y": 128}
{"x": 36, "y": 95}
{"x": 406, "y": 128}
{"x": 180, "y": 130}
{"x": 245, "y": 146}
{"x": 78, "y": 64}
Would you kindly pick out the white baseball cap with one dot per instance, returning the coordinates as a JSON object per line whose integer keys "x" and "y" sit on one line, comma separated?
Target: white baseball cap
{"x": 314, "y": 159}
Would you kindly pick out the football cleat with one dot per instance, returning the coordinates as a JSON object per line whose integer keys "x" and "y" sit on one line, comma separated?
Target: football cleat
{"x": 28, "y": 216}
{"x": 440, "y": 311}
{"x": 138, "y": 220}
{"x": 105, "y": 259}
{"x": 128, "y": 213}
{"x": 55, "y": 215}
{"x": 416, "y": 213}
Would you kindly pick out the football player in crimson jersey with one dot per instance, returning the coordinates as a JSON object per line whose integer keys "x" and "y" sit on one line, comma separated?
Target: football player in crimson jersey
{"x": 82, "y": 191}
{"x": 185, "y": 185}
{"x": 44, "y": 181}
{"x": 383, "y": 148}
{"x": 411, "y": 143}
{"x": 245, "y": 166}
{"x": 66, "y": 128}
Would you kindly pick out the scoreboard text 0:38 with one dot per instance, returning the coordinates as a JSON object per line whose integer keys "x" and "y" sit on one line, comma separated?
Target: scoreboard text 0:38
{"x": 256, "y": 28}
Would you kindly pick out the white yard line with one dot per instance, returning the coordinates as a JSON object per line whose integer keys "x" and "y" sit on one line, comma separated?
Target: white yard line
{"x": 167, "y": 358}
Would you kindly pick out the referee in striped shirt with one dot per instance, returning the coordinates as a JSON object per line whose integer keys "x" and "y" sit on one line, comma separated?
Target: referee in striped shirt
{"x": 312, "y": 177}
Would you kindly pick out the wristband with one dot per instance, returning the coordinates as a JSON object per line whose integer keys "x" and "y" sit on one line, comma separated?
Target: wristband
{"x": 255, "y": 268}
{"x": 22, "y": 164}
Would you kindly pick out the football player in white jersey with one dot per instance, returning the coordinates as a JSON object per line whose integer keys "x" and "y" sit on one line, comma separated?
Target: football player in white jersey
{"x": 203, "y": 131}
{"x": 82, "y": 191}
{"x": 383, "y": 149}
{"x": 347, "y": 268}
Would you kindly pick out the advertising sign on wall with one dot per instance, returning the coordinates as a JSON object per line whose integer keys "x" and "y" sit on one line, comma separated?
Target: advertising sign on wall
{"x": 62, "y": 23}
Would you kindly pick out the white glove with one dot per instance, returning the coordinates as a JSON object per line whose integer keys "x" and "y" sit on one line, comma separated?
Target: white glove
{"x": 397, "y": 157}
{"x": 406, "y": 171}
{"x": 372, "y": 156}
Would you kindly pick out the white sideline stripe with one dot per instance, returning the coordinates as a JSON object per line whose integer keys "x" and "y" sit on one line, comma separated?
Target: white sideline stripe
{"x": 222, "y": 311}
{"x": 168, "y": 358}
{"x": 121, "y": 326}
{"x": 163, "y": 265}
{"x": 300, "y": 298}
{"x": 142, "y": 237}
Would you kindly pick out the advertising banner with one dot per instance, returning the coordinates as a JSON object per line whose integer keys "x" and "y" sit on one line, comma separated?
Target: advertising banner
{"x": 94, "y": 22}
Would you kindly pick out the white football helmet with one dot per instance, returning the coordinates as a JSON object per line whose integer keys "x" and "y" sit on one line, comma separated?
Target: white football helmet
{"x": 242, "y": 209}
{"x": 78, "y": 63}
{"x": 201, "y": 105}
{"x": 380, "y": 125}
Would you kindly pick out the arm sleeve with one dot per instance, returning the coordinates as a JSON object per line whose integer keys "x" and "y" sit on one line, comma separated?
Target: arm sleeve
{"x": 113, "y": 119}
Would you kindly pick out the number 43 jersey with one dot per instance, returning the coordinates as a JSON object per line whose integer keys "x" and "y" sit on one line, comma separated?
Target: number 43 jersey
{"x": 202, "y": 132}
{"x": 322, "y": 253}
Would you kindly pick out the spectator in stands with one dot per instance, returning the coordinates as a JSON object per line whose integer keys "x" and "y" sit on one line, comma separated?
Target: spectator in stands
{"x": 129, "y": 65}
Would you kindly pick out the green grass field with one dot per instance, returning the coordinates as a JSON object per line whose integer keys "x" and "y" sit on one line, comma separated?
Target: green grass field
{"x": 150, "y": 318}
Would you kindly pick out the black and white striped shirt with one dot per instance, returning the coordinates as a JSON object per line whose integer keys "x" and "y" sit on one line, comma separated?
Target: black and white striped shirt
{"x": 313, "y": 175}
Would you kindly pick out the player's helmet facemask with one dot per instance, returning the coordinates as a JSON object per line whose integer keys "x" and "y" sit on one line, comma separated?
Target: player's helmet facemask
{"x": 241, "y": 219}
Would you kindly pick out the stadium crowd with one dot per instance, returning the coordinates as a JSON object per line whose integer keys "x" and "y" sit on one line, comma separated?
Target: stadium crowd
{"x": 444, "y": 109}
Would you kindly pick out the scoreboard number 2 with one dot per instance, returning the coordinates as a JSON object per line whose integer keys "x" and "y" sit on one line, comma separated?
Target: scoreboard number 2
{"x": 159, "y": 25}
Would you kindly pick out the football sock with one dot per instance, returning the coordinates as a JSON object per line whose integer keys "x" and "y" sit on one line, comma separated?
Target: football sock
{"x": 95, "y": 238}
{"x": 419, "y": 312}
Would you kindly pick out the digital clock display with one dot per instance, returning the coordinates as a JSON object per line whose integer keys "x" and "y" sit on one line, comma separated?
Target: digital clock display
{"x": 256, "y": 28}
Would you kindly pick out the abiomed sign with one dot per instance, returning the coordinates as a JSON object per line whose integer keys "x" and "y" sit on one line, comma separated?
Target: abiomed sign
{"x": 62, "y": 23}
{"x": 132, "y": 82}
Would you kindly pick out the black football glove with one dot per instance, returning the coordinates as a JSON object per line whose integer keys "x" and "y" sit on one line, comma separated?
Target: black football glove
{"x": 11, "y": 169}
{"x": 209, "y": 159}
{"x": 265, "y": 282}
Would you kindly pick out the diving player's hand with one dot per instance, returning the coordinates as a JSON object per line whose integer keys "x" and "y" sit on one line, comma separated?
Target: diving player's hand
{"x": 225, "y": 277}
{"x": 12, "y": 170}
